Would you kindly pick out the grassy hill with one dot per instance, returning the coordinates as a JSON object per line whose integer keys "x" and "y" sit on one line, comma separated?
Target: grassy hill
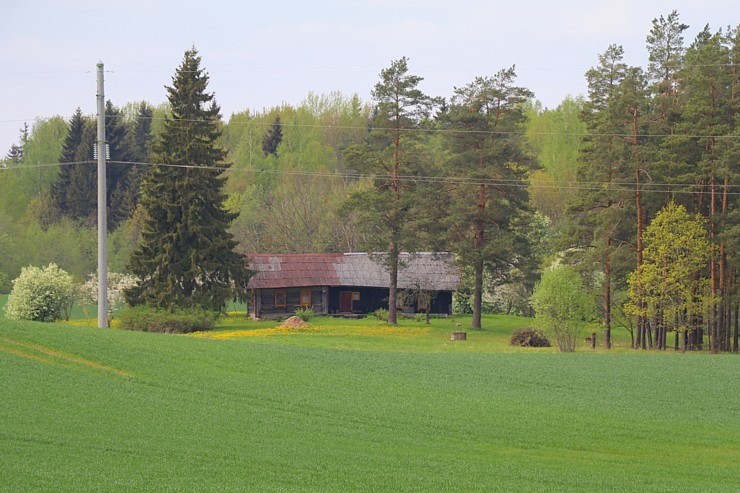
{"x": 335, "y": 410}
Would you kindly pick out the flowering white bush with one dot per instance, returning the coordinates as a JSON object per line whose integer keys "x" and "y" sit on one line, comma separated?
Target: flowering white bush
{"x": 42, "y": 294}
{"x": 88, "y": 292}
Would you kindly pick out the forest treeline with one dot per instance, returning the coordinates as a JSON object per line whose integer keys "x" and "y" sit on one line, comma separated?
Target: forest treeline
{"x": 487, "y": 172}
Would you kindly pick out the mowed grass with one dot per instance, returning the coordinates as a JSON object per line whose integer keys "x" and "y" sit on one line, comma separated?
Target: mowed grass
{"x": 350, "y": 408}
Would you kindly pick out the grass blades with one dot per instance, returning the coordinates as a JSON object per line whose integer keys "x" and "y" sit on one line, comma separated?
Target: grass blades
{"x": 343, "y": 411}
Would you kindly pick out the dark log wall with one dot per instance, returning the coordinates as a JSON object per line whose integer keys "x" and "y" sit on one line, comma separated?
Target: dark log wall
{"x": 265, "y": 299}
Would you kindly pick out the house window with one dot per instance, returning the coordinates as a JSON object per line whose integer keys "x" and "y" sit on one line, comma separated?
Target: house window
{"x": 355, "y": 296}
{"x": 280, "y": 298}
{"x": 423, "y": 302}
{"x": 305, "y": 297}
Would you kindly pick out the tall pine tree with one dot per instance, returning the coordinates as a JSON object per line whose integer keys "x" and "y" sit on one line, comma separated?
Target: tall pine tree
{"x": 390, "y": 209}
{"x": 488, "y": 161}
{"x": 601, "y": 212}
{"x": 187, "y": 257}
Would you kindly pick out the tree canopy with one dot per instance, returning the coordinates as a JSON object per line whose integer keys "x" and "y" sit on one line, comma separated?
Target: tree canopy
{"x": 187, "y": 256}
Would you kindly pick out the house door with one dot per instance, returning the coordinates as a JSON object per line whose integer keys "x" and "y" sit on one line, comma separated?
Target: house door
{"x": 345, "y": 302}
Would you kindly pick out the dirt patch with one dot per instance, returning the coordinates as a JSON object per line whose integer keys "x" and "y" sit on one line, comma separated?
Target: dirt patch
{"x": 294, "y": 322}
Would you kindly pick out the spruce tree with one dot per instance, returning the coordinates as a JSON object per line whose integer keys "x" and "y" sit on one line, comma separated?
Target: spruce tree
{"x": 187, "y": 257}
{"x": 15, "y": 154}
{"x": 121, "y": 190}
{"x": 74, "y": 193}
{"x": 273, "y": 137}
{"x": 71, "y": 192}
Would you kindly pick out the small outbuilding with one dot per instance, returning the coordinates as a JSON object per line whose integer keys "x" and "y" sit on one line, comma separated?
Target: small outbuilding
{"x": 349, "y": 283}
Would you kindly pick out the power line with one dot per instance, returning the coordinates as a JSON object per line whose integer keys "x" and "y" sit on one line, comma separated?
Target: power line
{"x": 430, "y": 130}
{"x": 615, "y": 186}
{"x": 217, "y": 70}
{"x": 433, "y": 130}
{"x": 446, "y": 130}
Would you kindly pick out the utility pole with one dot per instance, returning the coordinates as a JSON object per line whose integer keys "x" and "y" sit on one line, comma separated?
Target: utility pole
{"x": 102, "y": 209}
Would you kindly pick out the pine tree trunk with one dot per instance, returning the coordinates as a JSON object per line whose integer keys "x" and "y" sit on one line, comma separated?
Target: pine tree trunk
{"x": 640, "y": 322}
{"x": 393, "y": 283}
{"x": 608, "y": 298}
{"x": 714, "y": 328}
{"x": 478, "y": 294}
{"x": 724, "y": 309}
{"x": 736, "y": 337}
{"x": 478, "y": 242}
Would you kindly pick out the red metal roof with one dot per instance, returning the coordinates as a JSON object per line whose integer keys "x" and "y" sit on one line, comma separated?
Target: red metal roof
{"x": 293, "y": 270}
{"x": 436, "y": 271}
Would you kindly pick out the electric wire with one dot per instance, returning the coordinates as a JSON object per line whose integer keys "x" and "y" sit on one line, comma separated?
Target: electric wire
{"x": 615, "y": 186}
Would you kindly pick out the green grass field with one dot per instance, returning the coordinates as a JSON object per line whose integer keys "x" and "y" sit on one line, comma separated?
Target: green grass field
{"x": 357, "y": 406}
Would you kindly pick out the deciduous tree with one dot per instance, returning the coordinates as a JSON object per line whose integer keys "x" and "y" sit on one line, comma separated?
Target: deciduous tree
{"x": 669, "y": 288}
{"x": 562, "y": 305}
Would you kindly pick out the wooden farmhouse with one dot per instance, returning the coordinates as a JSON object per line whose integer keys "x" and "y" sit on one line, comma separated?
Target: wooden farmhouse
{"x": 349, "y": 283}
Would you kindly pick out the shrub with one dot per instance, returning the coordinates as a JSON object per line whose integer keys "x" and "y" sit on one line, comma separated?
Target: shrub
{"x": 529, "y": 337}
{"x": 41, "y": 294}
{"x": 304, "y": 314}
{"x": 381, "y": 314}
{"x": 147, "y": 319}
{"x": 87, "y": 293}
{"x": 562, "y": 305}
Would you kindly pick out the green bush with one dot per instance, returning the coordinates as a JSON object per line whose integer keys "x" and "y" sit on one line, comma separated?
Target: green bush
{"x": 41, "y": 294}
{"x": 146, "y": 319}
{"x": 529, "y": 337}
{"x": 562, "y": 305}
{"x": 381, "y": 314}
{"x": 5, "y": 284}
{"x": 304, "y": 314}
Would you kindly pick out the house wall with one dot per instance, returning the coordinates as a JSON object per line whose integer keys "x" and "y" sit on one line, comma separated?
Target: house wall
{"x": 262, "y": 304}
{"x": 372, "y": 299}
{"x": 325, "y": 300}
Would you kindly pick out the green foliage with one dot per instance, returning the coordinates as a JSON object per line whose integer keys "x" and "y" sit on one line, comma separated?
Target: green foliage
{"x": 5, "y": 283}
{"x": 273, "y": 137}
{"x": 305, "y": 313}
{"x": 669, "y": 282}
{"x": 186, "y": 257}
{"x": 21, "y": 183}
{"x": 64, "y": 243}
{"x": 41, "y": 294}
{"x": 556, "y": 139}
{"x": 184, "y": 321}
{"x": 529, "y": 337}
{"x": 74, "y": 193}
{"x": 562, "y": 305}
{"x": 486, "y": 120}
{"x": 462, "y": 301}
{"x": 381, "y": 314}
{"x": 390, "y": 209}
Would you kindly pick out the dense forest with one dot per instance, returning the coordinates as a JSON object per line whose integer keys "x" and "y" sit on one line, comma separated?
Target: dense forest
{"x": 609, "y": 182}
